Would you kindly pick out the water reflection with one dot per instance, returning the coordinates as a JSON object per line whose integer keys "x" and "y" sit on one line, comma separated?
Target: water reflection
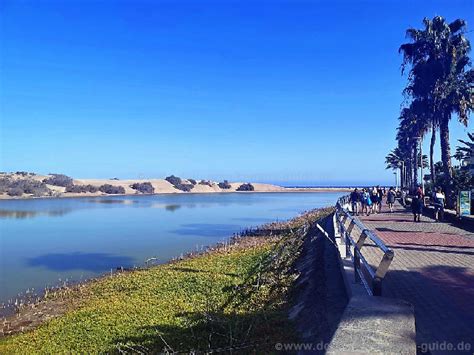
{"x": 112, "y": 201}
{"x": 172, "y": 208}
{"x": 96, "y": 262}
{"x": 168, "y": 207}
{"x": 21, "y": 214}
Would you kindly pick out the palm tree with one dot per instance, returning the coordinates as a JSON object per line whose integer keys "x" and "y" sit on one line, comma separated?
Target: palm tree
{"x": 396, "y": 160}
{"x": 467, "y": 152}
{"x": 412, "y": 127}
{"x": 440, "y": 75}
{"x": 405, "y": 144}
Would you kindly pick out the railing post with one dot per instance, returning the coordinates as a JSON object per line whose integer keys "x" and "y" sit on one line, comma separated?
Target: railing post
{"x": 356, "y": 266}
{"x": 361, "y": 241}
{"x": 377, "y": 286}
{"x": 348, "y": 246}
{"x": 376, "y": 275}
{"x": 351, "y": 226}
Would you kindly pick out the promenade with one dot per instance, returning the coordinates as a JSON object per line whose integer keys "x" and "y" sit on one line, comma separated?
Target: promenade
{"x": 433, "y": 268}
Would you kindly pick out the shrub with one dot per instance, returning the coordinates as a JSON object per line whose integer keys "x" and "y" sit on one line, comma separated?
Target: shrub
{"x": 224, "y": 185}
{"x": 143, "y": 187}
{"x": 36, "y": 188}
{"x": 4, "y": 184}
{"x": 205, "y": 182}
{"x": 173, "y": 180}
{"x": 13, "y": 187}
{"x": 82, "y": 188}
{"x": 246, "y": 187}
{"x": 15, "y": 191}
{"x": 192, "y": 181}
{"x": 184, "y": 187}
{"x": 111, "y": 189}
{"x": 178, "y": 183}
{"x": 58, "y": 180}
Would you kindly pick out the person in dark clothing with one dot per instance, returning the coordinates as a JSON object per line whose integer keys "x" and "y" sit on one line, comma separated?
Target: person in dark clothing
{"x": 374, "y": 198}
{"x": 355, "y": 201}
{"x": 380, "y": 195}
{"x": 417, "y": 204}
{"x": 391, "y": 198}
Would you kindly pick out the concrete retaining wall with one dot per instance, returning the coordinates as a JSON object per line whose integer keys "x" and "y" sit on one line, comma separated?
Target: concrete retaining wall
{"x": 371, "y": 324}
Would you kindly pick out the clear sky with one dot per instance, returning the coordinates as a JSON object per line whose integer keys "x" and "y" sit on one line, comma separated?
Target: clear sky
{"x": 295, "y": 91}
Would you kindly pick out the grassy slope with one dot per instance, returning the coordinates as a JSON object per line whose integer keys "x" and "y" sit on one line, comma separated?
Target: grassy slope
{"x": 234, "y": 298}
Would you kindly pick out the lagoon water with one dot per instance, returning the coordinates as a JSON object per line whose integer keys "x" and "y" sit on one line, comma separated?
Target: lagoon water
{"x": 43, "y": 241}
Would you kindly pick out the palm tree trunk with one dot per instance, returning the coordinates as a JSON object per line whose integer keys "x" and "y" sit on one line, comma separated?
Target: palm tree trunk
{"x": 432, "y": 144}
{"x": 409, "y": 174}
{"x": 415, "y": 165}
{"x": 405, "y": 174}
{"x": 446, "y": 159}
{"x": 445, "y": 147}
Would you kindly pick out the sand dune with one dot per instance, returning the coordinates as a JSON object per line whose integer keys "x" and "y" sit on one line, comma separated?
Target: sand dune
{"x": 161, "y": 186}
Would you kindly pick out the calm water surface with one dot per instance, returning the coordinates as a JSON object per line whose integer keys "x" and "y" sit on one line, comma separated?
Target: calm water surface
{"x": 47, "y": 240}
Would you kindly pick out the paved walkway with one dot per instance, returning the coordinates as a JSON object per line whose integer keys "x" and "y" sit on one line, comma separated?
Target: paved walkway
{"x": 433, "y": 268}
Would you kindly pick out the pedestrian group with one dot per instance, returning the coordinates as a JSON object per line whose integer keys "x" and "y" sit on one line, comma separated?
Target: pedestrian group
{"x": 369, "y": 200}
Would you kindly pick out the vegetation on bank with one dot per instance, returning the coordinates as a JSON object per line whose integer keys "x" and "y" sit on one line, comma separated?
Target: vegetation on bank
{"x": 225, "y": 185}
{"x": 206, "y": 183}
{"x": 82, "y": 188}
{"x": 246, "y": 187}
{"x": 59, "y": 180}
{"x": 18, "y": 187}
{"x": 178, "y": 183}
{"x": 234, "y": 297}
{"x": 111, "y": 189}
{"x": 143, "y": 187}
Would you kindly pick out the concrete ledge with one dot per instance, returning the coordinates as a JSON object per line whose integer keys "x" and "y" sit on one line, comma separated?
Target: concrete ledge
{"x": 371, "y": 324}
{"x": 375, "y": 325}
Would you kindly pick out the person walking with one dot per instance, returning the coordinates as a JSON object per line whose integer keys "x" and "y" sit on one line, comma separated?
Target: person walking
{"x": 374, "y": 199}
{"x": 355, "y": 201}
{"x": 366, "y": 202}
{"x": 404, "y": 197}
{"x": 391, "y": 199}
{"x": 417, "y": 204}
{"x": 439, "y": 203}
{"x": 380, "y": 195}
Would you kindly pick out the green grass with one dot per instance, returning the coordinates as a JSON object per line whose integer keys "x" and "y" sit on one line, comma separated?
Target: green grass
{"x": 181, "y": 304}
{"x": 234, "y": 299}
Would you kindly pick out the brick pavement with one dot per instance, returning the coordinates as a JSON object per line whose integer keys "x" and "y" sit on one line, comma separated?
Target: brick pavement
{"x": 433, "y": 269}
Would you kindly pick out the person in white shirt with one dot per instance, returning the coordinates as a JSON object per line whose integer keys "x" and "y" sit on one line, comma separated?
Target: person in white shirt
{"x": 439, "y": 202}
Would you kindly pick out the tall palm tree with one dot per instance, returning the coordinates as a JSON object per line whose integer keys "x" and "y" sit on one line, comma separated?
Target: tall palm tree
{"x": 440, "y": 74}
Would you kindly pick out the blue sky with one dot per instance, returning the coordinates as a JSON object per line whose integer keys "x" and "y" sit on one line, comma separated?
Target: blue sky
{"x": 295, "y": 91}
